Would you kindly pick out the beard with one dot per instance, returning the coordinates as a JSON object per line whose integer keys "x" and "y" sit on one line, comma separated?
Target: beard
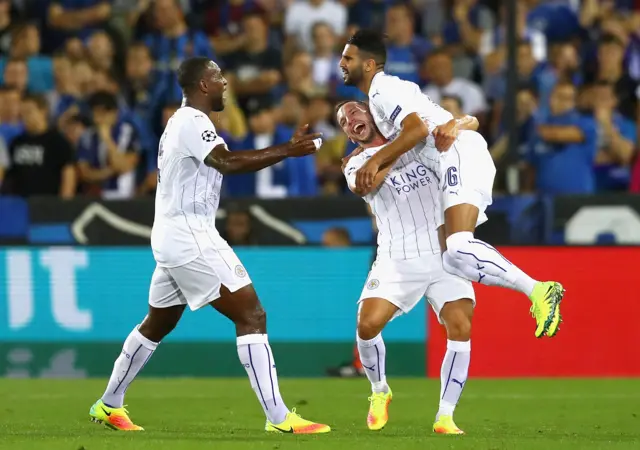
{"x": 353, "y": 77}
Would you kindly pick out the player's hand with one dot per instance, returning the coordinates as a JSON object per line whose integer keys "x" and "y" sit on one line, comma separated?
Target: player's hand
{"x": 366, "y": 175}
{"x": 445, "y": 135}
{"x": 301, "y": 144}
{"x": 346, "y": 159}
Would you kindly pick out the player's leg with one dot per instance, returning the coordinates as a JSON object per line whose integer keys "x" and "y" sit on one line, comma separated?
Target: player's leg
{"x": 373, "y": 316}
{"x": 465, "y": 195}
{"x": 456, "y": 317}
{"x": 452, "y": 299}
{"x": 166, "y": 305}
{"x": 393, "y": 287}
{"x": 244, "y": 309}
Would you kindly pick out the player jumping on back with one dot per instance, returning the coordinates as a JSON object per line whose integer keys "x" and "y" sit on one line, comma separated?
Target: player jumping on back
{"x": 405, "y": 201}
{"x": 406, "y": 116}
{"x": 195, "y": 266}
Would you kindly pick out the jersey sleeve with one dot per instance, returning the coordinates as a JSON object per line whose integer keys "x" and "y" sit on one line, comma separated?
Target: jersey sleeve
{"x": 352, "y": 167}
{"x": 397, "y": 99}
{"x": 200, "y": 136}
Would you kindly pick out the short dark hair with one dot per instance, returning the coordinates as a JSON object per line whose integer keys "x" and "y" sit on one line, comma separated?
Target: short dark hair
{"x": 341, "y": 232}
{"x": 371, "y": 42}
{"x": 301, "y": 97}
{"x": 40, "y": 101}
{"x": 455, "y": 98}
{"x": 14, "y": 60}
{"x": 344, "y": 102}
{"x": 609, "y": 38}
{"x": 8, "y": 88}
{"x": 191, "y": 70}
{"x": 103, "y": 99}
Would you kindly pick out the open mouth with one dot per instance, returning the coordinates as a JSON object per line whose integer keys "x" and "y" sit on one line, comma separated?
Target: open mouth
{"x": 359, "y": 128}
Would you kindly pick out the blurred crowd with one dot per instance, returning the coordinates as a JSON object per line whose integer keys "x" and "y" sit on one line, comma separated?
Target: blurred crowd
{"x": 86, "y": 86}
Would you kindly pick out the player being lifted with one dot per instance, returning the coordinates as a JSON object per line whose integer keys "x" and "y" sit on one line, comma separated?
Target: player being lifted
{"x": 195, "y": 266}
{"x": 404, "y": 199}
{"x": 406, "y": 117}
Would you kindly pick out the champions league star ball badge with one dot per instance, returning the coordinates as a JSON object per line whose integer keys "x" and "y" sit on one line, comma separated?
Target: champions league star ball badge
{"x": 373, "y": 284}
{"x": 208, "y": 136}
{"x": 241, "y": 272}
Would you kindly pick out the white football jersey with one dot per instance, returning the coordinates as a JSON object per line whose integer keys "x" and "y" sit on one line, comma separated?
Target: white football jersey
{"x": 392, "y": 99}
{"x": 188, "y": 191}
{"x": 406, "y": 206}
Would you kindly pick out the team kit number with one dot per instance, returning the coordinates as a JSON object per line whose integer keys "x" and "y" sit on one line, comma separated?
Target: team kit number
{"x": 452, "y": 176}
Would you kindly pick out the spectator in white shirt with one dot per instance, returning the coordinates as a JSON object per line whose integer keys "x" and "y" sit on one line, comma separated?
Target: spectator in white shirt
{"x": 325, "y": 60}
{"x": 302, "y": 15}
{"x": 439, "y": 73}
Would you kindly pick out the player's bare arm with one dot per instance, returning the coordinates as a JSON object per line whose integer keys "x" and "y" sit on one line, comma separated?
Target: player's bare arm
{"x": 446, "y": 134}
{"x": 227, "y": 162}
{"x": 378, "y": 180}
{"x": 414, "y": 130}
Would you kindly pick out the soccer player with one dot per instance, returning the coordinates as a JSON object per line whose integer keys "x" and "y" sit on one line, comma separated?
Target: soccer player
{"x": 404, "y": 198}
{"x": 195, "y": 266}
{"x": 406, "y": 117}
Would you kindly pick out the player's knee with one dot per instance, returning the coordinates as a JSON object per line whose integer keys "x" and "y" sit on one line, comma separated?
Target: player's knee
{"x": 458, "y": 243}
{"x": 369, "y": 327}
{"x": 256, "y": 318}
{"x": 458, "y": 328}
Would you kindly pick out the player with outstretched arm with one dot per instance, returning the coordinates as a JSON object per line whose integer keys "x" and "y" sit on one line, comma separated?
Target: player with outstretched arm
{"x": 195, "y": 265}
{"x": 406, "y": 117}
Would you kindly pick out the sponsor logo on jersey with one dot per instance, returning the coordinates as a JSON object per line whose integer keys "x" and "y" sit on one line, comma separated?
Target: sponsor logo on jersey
{"x": 405, "y": 181}
{"x": 373, "y": 284}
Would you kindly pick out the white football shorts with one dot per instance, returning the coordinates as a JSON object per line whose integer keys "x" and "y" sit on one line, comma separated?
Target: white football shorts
{"x": 467, "y": 173}
{"x": 403, "y": 282}
{"x": 198, "y": 282}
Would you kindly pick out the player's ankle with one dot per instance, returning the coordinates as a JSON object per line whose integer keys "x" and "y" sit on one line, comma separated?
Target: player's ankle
{"x": 380, "y": 387}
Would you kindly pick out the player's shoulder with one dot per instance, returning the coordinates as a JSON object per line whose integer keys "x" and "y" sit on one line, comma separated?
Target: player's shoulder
{"x": 189, "y": 117}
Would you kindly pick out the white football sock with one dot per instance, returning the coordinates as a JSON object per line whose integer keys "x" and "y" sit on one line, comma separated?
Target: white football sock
{"x": 373, "y": 356}
{"x": 135, "y": 353}
{"x": 256, "y": 357}
{"x": 453, "y": 375}
{"x": 480, "y": 262}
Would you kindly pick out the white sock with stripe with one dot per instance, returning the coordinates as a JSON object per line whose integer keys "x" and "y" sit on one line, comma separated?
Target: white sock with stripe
{"x": 256, "y": 357}
{"x": 373, "y": 355}
{"x": 453, "y": 375}
{"x": 135, "y": 353}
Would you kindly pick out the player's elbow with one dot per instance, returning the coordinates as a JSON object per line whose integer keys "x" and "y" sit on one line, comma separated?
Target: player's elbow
{"x": 221, "y": 163}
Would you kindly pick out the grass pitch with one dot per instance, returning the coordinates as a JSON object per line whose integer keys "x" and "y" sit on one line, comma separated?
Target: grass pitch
{"x": 189, "y": 414}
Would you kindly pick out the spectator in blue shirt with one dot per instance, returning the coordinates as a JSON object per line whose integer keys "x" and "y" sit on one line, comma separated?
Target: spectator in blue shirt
{"x": 109, "y": 152}
{"x": 405, "y": 50}
{"x": 25, "y": 45}
{"x": 564, "y": 148}
{"x": 76, "y": 18}
{"x": 555, "y": 19}
{"x": 173, "y": 42}
{"x": 617, "y": 140}
{"x": 289, "y": 178}
{"x": 16, "y": 74}
{"x": 11, "y": 124}
{"x": 145, "y": 89}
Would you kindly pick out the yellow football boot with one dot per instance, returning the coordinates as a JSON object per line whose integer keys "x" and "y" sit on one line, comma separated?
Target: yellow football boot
{"x": 297, "y": 425}
{"x": 114, "y": 418}
{"x": 379, "y": 410}
{"x": 446, "y": 425}
{"x": 545, "y": 308}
